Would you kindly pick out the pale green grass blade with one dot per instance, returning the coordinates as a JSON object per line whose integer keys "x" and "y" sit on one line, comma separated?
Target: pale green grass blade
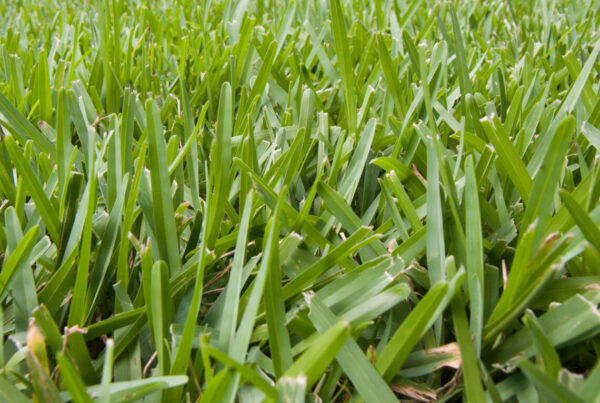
{"x": 547, "y": 386}
{"x": 249, "y": 374}
{"x": 279, "y": 338}
{"x": 546, "y": 181}
{"x": 20, "y": 127}
{"x": 577, "y": 88}
{"x": 161, "y": 190}
{"x": 345, "y": 63}
{"x": 221, "y": 162}
{"x": 361, "y": 372}
{"x": 319, "y": 355}
{"x": 17, "y": 257}
{"x": 582, "y": 219}
{"x": 269, "y": 257}
{"x": 550, "y": 358}
{"x": 11, "y": 393}
{"x": 474, "y": 254}
{"x": 235, "y": 283}
{"x": 435, "y": 225}
{"x": 468, "y": 348}
{"x": 427, "y": 311}
{"x": 72, "y": 380}
{"x": 508, "y": 158}
{"x": 47, "y": 212}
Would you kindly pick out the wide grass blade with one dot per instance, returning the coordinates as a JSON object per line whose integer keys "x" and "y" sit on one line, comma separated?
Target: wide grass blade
{"x": 164, "y": 219}
{"x": 345, "y": 63}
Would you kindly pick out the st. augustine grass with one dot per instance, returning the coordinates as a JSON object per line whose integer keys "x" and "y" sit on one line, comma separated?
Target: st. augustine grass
{"x": 310, "y": 200}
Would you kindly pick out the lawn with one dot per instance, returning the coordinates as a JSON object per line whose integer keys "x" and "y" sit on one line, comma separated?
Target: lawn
{"x": 310, "y": 200}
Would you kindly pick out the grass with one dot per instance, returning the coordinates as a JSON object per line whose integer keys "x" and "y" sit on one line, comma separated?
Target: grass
{"x": 296, "y": 201}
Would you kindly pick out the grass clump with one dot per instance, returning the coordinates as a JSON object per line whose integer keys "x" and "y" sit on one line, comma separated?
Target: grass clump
{"x": 305, "y": 200}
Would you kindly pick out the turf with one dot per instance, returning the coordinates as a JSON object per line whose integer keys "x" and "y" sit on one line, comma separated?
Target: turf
{"x": 299, "y": 201}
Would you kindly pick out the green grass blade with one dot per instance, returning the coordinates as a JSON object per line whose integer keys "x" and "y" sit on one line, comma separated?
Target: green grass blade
{"x": 279, "y": 339}
{"x": 72, "y": 380}
{"x": 345, "y": 63}
{"x": 47, "y": 212}
{"x": 414, "y": 326}
{"x": 221, "y": 162}
{"x": 313, "y": 362}
{"x": 361, "y": 372}
{"x": 20, "y": 127}
{"x": 474, "y": 254}
{"x": 547, "y": 386}
{"x": 161, "y": 190}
